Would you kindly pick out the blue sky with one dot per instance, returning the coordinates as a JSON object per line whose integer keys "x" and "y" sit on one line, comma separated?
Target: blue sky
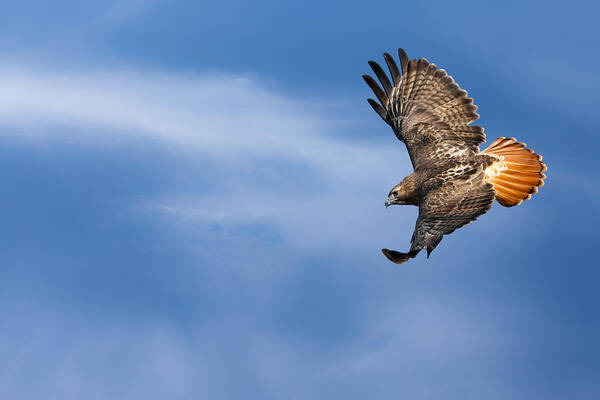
{"x": 192, "y": 204}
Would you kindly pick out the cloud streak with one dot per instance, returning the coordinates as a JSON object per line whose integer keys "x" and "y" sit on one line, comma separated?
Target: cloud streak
{"x": 266, "y": 158}
{"x": 222, "y": 116}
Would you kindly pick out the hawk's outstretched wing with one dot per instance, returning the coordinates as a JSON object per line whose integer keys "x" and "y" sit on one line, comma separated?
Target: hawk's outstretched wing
{"x": 455, "y": 203}
{"x": 451, "y": 204}
{"x": 426, "y": 109}
{"x": 431, "y": 114}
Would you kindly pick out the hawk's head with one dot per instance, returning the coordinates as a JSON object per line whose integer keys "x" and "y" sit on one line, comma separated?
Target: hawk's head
{"x": 404, "y": 193}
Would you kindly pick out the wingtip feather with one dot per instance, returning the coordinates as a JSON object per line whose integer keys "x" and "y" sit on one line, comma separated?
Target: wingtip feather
{"x": 392, "y": 67}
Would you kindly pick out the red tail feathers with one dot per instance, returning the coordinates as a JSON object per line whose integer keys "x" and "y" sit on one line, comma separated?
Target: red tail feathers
{"x": 518, "y": 172}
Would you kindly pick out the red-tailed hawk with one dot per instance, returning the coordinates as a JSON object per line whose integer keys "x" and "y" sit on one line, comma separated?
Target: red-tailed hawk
{"x": 453, "y": 182}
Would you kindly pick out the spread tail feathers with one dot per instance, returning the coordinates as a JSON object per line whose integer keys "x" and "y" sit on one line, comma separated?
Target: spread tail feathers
{"x": 516, "y": 174}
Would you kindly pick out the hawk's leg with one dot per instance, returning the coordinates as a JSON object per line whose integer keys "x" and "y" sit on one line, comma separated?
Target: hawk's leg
{"x": 399, "y": 258}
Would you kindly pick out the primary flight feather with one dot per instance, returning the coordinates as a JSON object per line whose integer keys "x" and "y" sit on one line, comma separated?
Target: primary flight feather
{"x": 453, "y": 182}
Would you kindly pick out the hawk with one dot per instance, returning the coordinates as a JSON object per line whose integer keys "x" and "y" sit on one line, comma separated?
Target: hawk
{"x": 453, "y": 182}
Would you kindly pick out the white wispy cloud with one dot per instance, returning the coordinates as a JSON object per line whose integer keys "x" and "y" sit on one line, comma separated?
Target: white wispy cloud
{"x": 230, "y": 122}
{"x": 222, "y": 116}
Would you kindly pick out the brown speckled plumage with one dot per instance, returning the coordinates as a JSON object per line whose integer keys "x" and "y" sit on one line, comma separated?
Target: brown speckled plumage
{"x": 453, "y": 182}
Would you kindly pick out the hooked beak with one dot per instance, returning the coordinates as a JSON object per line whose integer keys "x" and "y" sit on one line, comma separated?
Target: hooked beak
{"x": 388, "y": 202}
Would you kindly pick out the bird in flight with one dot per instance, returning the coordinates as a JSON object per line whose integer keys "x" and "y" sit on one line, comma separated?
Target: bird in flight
{"x": 453, "y": 182}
